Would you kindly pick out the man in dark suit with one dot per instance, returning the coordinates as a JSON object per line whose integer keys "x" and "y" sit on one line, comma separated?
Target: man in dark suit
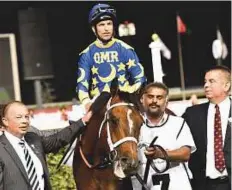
{"x": 211, "y": 129}
{"x": 23, "y": 165}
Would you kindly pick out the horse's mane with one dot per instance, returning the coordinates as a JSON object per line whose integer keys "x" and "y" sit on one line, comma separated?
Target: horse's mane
{"x": 104, "y": 97}
{"x": 130, "y": 98}
{"x": 126, "y": 96}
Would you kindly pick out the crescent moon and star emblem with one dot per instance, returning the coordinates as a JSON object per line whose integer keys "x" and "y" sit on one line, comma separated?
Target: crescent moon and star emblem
{"x": 141, "y": 74}
{"x": 82, "y": 75}
{"x": 110, "y": 77}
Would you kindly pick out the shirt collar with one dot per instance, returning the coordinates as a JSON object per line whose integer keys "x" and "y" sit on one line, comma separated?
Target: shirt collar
{"x": 222, "y": 105}
{"x": 99, "y": 44}
{"x": 13, "y": 139}
{"x": 161, "y": 122}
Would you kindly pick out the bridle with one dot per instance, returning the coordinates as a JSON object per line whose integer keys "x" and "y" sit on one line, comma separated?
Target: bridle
{"x": 112, "y": 145}
{"x": 112, "y": 156}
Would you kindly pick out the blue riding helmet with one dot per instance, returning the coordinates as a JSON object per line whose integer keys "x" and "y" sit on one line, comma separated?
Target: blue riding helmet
{"x": 101, "y": 12}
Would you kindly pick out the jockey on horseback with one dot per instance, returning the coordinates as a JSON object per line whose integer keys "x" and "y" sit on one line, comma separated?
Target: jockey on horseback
{"x": 106, "y": 59}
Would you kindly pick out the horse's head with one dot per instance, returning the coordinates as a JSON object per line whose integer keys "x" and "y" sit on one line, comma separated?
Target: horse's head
{"x": 121, "y": 125}
{"x": 107, "y": 149}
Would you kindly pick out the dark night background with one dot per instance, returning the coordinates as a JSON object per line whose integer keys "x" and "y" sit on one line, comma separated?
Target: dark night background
{"x": 70, "y": 33}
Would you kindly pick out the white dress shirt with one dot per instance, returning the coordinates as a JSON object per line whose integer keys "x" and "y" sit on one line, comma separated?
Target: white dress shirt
{"x": 224, "y": 108}
{"x": 19, "y": 150}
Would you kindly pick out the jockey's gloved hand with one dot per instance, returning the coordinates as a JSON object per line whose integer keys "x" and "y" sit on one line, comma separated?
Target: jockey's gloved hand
{"x": 85, "y": 100}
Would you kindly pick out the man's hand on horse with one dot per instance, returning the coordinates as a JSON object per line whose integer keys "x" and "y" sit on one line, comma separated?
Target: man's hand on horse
{"x": 87, "y": 117}
{"x": 87, "y": 106}
{"x": 153, "y": 153}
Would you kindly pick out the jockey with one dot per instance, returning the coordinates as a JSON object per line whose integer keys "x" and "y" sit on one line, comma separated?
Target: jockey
{"x": 106, "y": 59}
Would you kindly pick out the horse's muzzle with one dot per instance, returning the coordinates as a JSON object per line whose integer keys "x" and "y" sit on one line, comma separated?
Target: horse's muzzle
{"x": 129, "y": 165}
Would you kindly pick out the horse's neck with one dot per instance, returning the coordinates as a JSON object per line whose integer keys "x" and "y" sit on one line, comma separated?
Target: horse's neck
{"x": 90, "y": 138}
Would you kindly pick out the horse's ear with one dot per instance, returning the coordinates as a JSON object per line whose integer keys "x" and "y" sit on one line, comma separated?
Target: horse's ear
{"x": 138, "y": 97}
{"x": 114, "y": 87}
{"x": 140, "y": 91}
{"x": 135, "y": 99}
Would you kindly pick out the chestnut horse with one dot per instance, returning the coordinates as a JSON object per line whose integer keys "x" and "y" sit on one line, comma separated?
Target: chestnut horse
{"x": 107, "y": 150}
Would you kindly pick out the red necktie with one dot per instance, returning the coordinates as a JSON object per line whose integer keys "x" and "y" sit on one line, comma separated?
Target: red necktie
{"x": 218, "y": 142}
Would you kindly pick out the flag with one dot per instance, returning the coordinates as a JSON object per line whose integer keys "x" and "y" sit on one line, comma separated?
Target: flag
{"x": 158, "y": 47}
{"x": 181, "y": 27}
{"x": 224, "y": 47}
{"x": 219, "y": 48}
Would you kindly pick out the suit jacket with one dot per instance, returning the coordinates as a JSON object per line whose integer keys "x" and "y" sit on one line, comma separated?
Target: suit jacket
{"x": 12, "y": 173}
{"x": 196, "y": 118}
{"x": 43, "y": 133}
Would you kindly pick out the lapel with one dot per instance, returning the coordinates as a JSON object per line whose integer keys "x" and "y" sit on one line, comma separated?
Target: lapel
{"x": 11, "y": 151}
{"x": 228, "y": 130}
{"x": 203, "y": 119}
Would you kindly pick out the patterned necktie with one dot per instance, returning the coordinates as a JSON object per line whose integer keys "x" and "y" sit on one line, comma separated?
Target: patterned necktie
{"x": 30, "y": 167}
{"x": 218, "y": 142}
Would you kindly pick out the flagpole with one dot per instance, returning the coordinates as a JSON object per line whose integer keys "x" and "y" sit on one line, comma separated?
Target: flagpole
{"x": 180, "y": 62}
{"x": 219, "y": 61}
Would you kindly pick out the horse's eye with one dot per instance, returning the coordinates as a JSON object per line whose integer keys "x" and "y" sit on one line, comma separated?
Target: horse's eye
{"x": 114, "y": 120}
